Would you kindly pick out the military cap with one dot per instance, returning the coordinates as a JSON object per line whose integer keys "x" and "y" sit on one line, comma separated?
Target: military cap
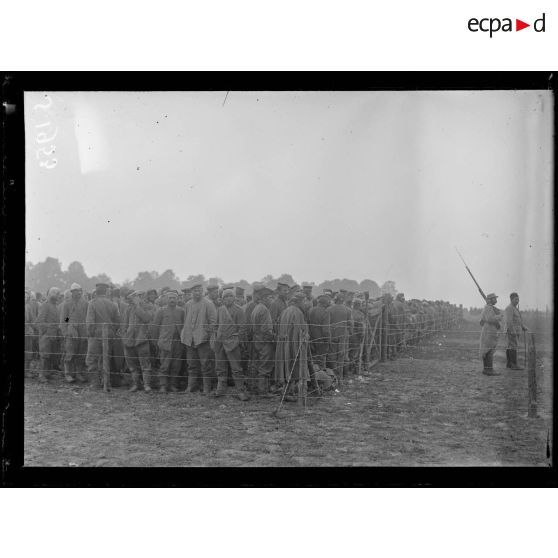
{"x": 324, "y": 296}
{"x": 227, "y": 286}
{"x": 264, "y": 291}
{"x": 101, "y": 285}
{"x": 228, "y": 292}
{"x": 282, "y": 285}
{"x": 212, "y": 287}
{"x": 166, "y": 289}
{"x": 491, "y": 295}
{"x": 298, "y": 296}
{"x": 342, "y": 291}
{"x": 151, "y": 291}
{"x": 137, "y": 293}
{"x": 195, "y": 286}
{"x": 257, "y": 287}
{"x": 328, "y": 291}
{"x": 513, "y": 295}
{"x": 172, "y": 292}
{"x": 75, "y": 287}
{"x": 239, "y": 291}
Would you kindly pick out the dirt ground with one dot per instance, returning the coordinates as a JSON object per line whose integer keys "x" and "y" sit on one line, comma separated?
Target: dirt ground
{"x": 430, "y": 407}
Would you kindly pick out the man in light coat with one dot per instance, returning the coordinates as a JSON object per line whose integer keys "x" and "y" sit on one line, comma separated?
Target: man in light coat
{"x": 490, "y": 321}
{"x": 514, "y": 329}
{"x": 199, "y": 325}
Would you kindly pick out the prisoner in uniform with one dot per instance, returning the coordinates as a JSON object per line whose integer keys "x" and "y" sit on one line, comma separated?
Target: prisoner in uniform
{"x": 279, "y": 304}
{"x": 47, "y": 324}
{"x": 357, "y": 338}
{"x": 29, "y": 331}
{"x": 72, "y": 326}
{"x": 341, "y": 324}
{"x": 169, "y": 322}
{"x": 490, "y": 323}
{"x": 137, "y": 330}
{"x": 291, "y": 353}
{"x": 229, "y": 337}
{"x": 263, "y": 337}
{"x": 102, "y": 321}
{"x": 514, "y": 329}
{"x": 320, "y": 332}
{"x": 199, "y": 326}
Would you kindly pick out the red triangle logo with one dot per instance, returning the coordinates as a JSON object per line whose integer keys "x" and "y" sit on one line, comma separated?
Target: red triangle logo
{"x": 519, "y": 25}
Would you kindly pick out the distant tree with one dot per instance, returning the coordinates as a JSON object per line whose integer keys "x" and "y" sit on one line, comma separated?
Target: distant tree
{"x": 371, "y": 286}
{"x": 217, "y": 280}
{"x": 43, "y": 275}
{"x": 167, "y": 279}
{"x": 76, "y": 274}
{"x": 389, "y": 288}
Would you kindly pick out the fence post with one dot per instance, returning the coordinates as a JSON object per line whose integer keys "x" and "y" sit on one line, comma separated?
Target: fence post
{"x": 384, "y": 334}
{"x": 532, "y": 379}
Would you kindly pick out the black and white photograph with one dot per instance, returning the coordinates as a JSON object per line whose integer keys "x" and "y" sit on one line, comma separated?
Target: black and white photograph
{"x": 288, "y": 278}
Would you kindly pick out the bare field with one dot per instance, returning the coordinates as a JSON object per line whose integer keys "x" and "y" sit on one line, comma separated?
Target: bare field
{"x": 430, "y": 407}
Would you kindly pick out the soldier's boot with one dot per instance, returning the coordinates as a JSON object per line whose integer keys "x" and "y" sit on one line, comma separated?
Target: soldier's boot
{"x": 515, "y": 366}
{"x": 80, "y": 377}
{"x": 43, "y": 365}
{"x": 162, "y": 381}
{"x": 68, "y": 375}
{"x": 171, "y": 383}
{"x": 222, "y": 383}
{"x": 106, "y": 381}
{"x": 207, "y": 384}
{"x": 146, "y": 380}
{"x": 240, "y": 386}
{"x": 489, "y": 370}
{"x": 192, "y": 382}
{"x": 263, "y": 390}
{"x": 509, "y": 362}
{"x": 135, "y": 381}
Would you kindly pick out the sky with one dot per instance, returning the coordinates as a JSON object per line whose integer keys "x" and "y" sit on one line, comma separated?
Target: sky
{"x": 321, "y": 185}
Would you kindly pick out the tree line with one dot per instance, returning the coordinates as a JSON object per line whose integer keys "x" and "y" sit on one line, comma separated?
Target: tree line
{"x": 41, "y": 276}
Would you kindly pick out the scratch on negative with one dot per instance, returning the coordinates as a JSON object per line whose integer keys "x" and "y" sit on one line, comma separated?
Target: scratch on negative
{"x": 225, "y": 100}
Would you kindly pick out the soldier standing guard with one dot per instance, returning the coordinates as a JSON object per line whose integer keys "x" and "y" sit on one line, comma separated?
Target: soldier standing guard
{"x": 72, "y": 326}
{"x": 514, "y": 329}
{"x": 490, "y": 322}
{"x": 169, "y": 322}
{"x": 102, "y": 321}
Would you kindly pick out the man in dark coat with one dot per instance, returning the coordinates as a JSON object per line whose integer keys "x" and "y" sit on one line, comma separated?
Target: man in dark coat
{"x": 320, "y": 332}
{"x": 72, "y": 326}
{"x": 168, "y": 324}
{"x": 47, "y": 324}
{"x": 261, "y": 326}
{"x": 138, "y": 328}
{"x": 228, "y": 340}
{"x": 102, "y": 321}
{"x": 291, "y": 357}
{"x": 279, "y": 304}
{"x": 341, "y": 329}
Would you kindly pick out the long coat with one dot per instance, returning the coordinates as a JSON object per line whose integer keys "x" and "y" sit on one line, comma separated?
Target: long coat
{"x": 490, "y": 319}
{"x": 292, "y": 347}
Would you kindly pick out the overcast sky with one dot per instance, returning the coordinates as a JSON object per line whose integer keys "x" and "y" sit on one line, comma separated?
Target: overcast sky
{"x": 322, "y": 185}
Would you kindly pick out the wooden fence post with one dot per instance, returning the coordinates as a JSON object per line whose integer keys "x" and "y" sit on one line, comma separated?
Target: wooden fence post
{"x": 384, "y": 334}
{"x": 532, "y": 378}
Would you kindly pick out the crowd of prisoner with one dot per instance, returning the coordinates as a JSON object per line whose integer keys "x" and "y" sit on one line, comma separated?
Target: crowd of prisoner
{"x": 284, "y": 341}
